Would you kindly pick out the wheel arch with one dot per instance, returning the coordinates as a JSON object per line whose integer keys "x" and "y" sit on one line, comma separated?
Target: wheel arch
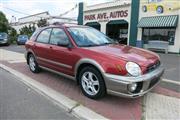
{"x": 87, "y": 62}
{"x": 27, "y": 55}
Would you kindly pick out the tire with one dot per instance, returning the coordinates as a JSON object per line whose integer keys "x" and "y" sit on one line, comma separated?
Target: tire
{"x": 7, "y": 44}
{"x": 92, "y": 83}
{"x": 33, "y": 65}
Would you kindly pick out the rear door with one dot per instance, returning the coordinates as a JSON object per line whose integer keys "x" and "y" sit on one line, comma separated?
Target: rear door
{"x": 41, "y": 47}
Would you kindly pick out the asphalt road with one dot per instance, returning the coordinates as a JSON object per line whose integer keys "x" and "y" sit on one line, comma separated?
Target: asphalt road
{"x": 18, "y": 101}
{"x": 15, "y": 48}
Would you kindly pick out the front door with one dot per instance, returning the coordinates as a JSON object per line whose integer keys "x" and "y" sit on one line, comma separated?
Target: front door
{"x": 62, "y": 58}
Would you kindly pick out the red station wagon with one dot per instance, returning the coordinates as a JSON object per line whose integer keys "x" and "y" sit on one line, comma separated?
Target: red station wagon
{"x": 97, "y": 63}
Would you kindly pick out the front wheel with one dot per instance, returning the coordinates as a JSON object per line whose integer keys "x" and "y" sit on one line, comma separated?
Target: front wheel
{"x": 33, "y": 65}
{"x": 92, "y": 83}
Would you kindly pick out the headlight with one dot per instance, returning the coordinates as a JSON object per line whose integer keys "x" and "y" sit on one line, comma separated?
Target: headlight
{"x": 133, "y": 69}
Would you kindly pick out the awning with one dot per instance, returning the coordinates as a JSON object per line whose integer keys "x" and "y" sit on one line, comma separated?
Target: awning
{"x": 114, "y": 22}
{"x": 159, "y": 21}
{"x": 92, "y": 24}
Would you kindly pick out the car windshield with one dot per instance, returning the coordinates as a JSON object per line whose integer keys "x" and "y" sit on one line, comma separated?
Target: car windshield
{"x": 23, "y": 36}
{"x": 3, "y": 35}
{"x": 87, "y": 37}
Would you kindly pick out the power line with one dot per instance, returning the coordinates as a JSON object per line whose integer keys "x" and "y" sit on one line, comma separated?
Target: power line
{"x": 16, "y": 11}
{"x": 68, "y": 11}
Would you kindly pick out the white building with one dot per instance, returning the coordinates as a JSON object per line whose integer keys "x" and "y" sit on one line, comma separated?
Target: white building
{"x": 33, "y": 19}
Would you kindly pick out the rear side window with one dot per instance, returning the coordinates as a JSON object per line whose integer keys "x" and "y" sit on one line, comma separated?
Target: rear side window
{"x": 44, "y": 36}
{"x": 58, "y": 35}
{"x": 34, "y": 35}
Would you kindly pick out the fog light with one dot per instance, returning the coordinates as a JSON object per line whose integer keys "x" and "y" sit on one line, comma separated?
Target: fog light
{"x": 132, "y": 87}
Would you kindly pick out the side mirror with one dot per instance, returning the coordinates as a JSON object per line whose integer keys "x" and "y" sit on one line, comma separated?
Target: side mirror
{"x": 64, "y": 43}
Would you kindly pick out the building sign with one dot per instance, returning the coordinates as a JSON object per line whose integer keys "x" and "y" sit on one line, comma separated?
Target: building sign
{"x": 106, "y": 16}
{"x": 160, "y": 6}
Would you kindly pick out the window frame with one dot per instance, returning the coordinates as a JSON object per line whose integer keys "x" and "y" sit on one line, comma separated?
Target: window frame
{"x": 65, "y": 34}
{"x": 40, "y": 34}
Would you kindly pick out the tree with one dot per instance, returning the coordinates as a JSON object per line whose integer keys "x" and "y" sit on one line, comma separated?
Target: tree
{"x": 12, "y": 34}
{"x": 3, "y": 23}
{"x": 42, "y": 23}
{"x": 27, "y": 30}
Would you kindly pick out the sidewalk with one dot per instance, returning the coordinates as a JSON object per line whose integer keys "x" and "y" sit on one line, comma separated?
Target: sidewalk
{"x": 110, "y": 107}
{"x": 160, "y": 107}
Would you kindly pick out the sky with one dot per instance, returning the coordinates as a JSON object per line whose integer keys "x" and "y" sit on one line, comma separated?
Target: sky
{"x": 29, "y": 7}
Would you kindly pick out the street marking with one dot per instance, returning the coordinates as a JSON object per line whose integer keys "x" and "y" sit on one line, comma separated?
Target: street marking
{"x": 17, "y": 61}
{"x": 171, "y": 69}
{"x": 171, "y": 81}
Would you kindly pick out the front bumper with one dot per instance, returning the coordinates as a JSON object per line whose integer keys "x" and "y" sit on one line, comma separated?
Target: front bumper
{"x": 21, "y": 42}
{"x": 3, "y": 42}
{"x": 118, "y": 85}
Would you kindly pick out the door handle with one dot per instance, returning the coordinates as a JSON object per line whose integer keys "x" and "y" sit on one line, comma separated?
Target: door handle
{"x": 51, "y": 47}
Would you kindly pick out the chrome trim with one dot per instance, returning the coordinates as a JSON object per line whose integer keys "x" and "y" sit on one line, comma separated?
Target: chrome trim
{"x": 88, "y": 61}
{"x": 56, "y": 63}
{"x": 59, "y": 73}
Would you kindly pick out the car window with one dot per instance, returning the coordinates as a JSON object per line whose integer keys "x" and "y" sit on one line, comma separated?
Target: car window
{"x": 3, "y": 35}
{"x": 34, "y": 35}
{"x": 58, "y": 35}
{"x": 87, "y": 36}
{"x": 44, "y": 36}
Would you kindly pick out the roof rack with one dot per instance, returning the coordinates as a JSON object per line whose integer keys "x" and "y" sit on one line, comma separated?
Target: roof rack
{"x": 62, "y": 23}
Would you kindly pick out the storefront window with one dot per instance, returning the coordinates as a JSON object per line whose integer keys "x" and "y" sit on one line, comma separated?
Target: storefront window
{"x": 162, "y": 34}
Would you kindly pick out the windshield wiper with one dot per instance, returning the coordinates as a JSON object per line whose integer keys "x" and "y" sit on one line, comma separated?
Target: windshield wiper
{"x": 105, "y": 44}
{"x": 96, "y": 45}
{"x": 88, "y": 45}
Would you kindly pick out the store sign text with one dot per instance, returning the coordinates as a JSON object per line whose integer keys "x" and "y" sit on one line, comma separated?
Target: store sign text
{"x": 105, "y": 16}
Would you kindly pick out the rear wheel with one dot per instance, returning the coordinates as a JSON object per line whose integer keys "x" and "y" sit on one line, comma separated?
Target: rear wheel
{"x": 92, "y": 83}
{"x": 33, "y": 65}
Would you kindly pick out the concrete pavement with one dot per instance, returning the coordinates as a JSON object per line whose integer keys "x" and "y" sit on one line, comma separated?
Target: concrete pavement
{"x": 160, "y": 107}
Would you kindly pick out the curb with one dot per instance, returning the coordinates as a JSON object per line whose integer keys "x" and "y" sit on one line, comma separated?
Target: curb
{"x": 64, "y": 102}
{"x": 170, "y": 81}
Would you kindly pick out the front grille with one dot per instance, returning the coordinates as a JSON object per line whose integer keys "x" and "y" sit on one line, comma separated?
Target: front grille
{"x": 153, "y": 66}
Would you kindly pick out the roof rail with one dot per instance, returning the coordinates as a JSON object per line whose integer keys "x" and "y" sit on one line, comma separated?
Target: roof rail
{"x": 58, "y": 23}
{"x": 61, "y": 23}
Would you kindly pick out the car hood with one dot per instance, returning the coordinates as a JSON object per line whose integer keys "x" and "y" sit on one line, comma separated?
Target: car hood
{"x": 140, "y": 56}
